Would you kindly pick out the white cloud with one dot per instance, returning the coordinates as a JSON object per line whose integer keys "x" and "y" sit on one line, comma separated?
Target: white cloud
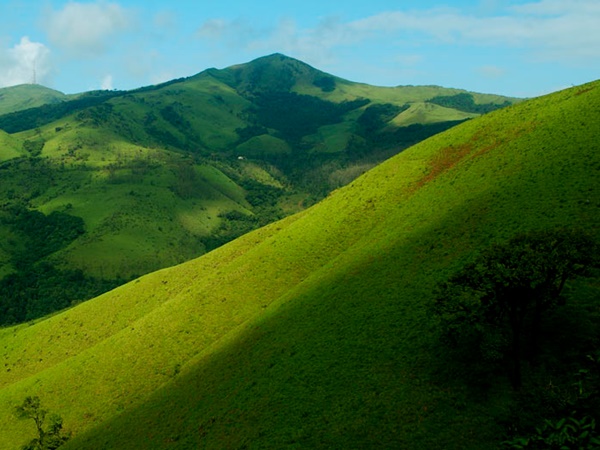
{"x": 559, "y": 7}
{"x": 215, "y": 28}
{"x": 492, "y": 71}
{"x": 107, "y": 83}
{"x": 84, "y": 29}
{"x": 312, "y": 45}
{"x": 408, "y": 60}
{"x": 26, "y": 62}
{"x": 551, "y": 30}
{"x": 165, "y": 20}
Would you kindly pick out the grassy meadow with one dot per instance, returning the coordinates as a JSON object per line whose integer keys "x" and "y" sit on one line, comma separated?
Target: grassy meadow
{"x": 315, "y": 331}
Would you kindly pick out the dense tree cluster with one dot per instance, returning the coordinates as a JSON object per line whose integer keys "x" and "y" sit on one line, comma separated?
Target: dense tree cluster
{"x": 509, "y": 289}
{"x": 295, "y": 115}
{"x": 507, "y": 311}
{"x": 465, "y": 102}
{"x": 37, "y": 288}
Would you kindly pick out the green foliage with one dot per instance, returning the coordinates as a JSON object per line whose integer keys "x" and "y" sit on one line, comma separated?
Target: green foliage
{"x": 186, "y": 180}
{"x": 34, "y": 291}
{"x": 295, "y": 115}
{"x": 37, "y": 288}
{"x": 25, "y": 179}
{"x": 387, "y": 143}
{"x": 250, "y": 131}
{"x": 234, "y": 224}
{"x": 326, "y": 83}
{"x": 510, "y": 288}
{"x": 43, "y": 234}
{"x": 260, "y": 194}
{"x": 49, "y": 437}
{"x": 33, "y": 147}
{"x": 42, "y": 115}
{"x": 376, "y": 116}
{"x": 465, "y": 102}
{"x": 564, "y": 434}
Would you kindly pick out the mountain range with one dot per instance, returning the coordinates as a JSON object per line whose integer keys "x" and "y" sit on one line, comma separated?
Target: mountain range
{"x": 314, "y": 331}
{"x": 101, "y": 187}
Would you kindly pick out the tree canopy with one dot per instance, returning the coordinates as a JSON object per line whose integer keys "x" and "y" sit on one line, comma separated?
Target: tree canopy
{"x": 498, "y": 300}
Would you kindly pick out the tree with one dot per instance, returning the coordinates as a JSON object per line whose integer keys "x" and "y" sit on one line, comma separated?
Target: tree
{"x": 48, "y": 438}
{"x": 508, "y": 290}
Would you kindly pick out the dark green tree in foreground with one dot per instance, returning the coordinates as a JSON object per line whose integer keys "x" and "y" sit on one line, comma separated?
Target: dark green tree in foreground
{"x": 498, "y": 301}
{"x": 49, "y": 437}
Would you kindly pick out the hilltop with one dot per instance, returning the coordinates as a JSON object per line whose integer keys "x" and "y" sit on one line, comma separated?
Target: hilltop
{"x": 105, "y": 186}
{"x": 26, "y": 96}
{"x": 315, "y": 331}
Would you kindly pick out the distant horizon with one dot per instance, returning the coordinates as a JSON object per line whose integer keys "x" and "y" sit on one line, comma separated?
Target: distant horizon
{"x": 516, "y": 48}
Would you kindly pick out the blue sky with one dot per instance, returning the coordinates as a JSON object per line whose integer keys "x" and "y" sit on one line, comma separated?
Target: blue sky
{"x": 513, "y": 47}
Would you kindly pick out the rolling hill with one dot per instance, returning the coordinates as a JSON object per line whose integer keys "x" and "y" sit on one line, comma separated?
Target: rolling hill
{"x": 163, "y": 174}
{"x": 26, "y": 96}
{"x": 315, "y": 331}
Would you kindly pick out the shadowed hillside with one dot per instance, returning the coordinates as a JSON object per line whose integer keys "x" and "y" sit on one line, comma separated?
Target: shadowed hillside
{"x": 315, "y": 331}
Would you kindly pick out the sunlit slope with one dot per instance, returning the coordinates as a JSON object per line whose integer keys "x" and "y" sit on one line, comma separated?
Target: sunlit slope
{"x": 10, "y": 147}
{"x": 312, "y": 332}
{"x": 16, "y": 98}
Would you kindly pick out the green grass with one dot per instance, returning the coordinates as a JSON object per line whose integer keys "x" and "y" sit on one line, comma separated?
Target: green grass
{"x": 426, "y": 113}
{"x": 263, "y": 145}
{"x": 17, "y": 98}
{"x": 9, "y": 147}
{"x": 313, "y": 332}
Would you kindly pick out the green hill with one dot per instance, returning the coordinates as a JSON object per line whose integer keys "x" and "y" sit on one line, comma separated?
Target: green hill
{"x": 9, "y": 147}
{"x": 163, "y": 174}
{"x": 25, "y": 96}
{"x": 315, "y": 331}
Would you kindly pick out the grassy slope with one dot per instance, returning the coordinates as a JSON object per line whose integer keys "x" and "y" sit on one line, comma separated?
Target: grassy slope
{"x": 423, "y": 112}
{"x": 10, "y": 147}
{"x": 407, "y": 94}
{"x": 25, "y": 96}
{"x": 312, "y": 331}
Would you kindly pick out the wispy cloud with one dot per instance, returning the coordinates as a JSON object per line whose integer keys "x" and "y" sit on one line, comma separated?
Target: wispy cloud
{"x": 552, "y": 30}
{"x": 492, "y": 71}
{"x": 559, "y": 7}
{"x": 107, "y": 83}
{"x": 314, "y": 45}
{"x": 85, "y": 29}
{"x": 25, "y": 62}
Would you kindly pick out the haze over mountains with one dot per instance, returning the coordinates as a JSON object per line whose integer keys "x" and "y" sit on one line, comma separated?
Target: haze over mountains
{"x": 314, "y": 331}
{"x": 162, "y": 174}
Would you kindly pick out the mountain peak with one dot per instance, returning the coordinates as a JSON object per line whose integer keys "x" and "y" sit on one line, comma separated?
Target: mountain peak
{"x": 275, "y": 72}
